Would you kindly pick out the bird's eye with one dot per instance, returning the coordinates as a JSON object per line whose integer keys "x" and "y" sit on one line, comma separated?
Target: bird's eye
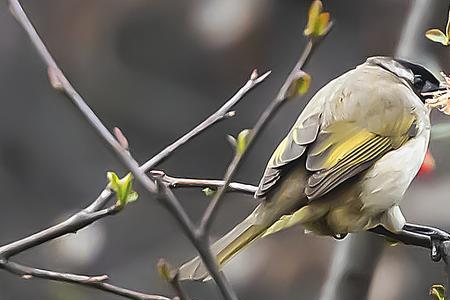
{"x": 418, "y": 82}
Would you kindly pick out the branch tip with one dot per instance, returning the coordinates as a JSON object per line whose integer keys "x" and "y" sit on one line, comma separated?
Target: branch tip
{"x": 264, "y": 76}
{"x": 254, "y": 75}
{"x": 54, "y": 76}
{"x": 121, "y": 138}
{"x": 230, "y": 114}
{"x": 232, "y": 140}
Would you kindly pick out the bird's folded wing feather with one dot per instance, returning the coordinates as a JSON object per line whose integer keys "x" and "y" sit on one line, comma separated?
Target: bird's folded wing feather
{"x": 343, "y": 150}
{"x": 291, "y": 148}
{"x": 334, "y": 154}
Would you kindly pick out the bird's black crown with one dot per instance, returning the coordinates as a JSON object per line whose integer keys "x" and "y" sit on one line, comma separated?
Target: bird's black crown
{"x": 424, "y": 81}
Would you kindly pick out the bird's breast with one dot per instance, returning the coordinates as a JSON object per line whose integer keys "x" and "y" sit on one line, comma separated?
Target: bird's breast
{"x": 387, "y": 180}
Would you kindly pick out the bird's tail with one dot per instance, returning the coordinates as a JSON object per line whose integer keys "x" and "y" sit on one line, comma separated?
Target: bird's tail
{"x": 239, "y": 237}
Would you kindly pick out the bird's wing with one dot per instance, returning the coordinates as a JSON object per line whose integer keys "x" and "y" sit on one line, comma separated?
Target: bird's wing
{"x": 292, "y": 147}
{"x": 344, "y": 149}
{"x": 347, "y": 126}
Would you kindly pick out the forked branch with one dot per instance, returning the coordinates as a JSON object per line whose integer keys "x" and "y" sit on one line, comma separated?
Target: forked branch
{"x": 154, "y": 185}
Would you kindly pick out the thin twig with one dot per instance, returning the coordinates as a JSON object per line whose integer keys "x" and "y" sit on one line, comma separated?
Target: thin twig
{"x": 171, "y": 276}
{"x": 178, "y": 182}
{"x": 76, "y": 222}
{"x": 200, "y": 244}
{"x": 60, "y": 83}
{"x": 179, "y": 290}
{"x": 97, "y": 282}
{"x": 263, "y": 120}
{"x": 222, "y": 113}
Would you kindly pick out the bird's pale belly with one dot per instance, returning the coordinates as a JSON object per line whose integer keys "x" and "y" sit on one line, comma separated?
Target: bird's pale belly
{"x": 343, "y": 214}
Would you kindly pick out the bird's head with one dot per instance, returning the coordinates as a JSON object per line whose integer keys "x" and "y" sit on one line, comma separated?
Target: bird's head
{"x": 421, "y": 80}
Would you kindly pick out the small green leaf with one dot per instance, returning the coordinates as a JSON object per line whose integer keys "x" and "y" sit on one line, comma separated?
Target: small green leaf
{"x": 242, "y": 140}
{"x": 313, "y": 15}
{"x": 209, "y": 192}
{"x": 437, "y": 292}
{"x": 123, "y": 188}
{"x": 113, "y": 181}
{"x": 437, "y": 36}
{"x": 318, "y": 21}
{"x": 322, "y": 24}
{"x": 299, "y": 85}
{"x": 447, "y": 28}
{"x": 133, "y": 196}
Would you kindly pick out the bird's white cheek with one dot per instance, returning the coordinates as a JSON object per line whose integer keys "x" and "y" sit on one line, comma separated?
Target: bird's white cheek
{"x": 388, "y": 179}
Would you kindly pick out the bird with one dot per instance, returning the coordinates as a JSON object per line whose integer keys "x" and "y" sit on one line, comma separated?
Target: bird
{"x": 347, "y": 161}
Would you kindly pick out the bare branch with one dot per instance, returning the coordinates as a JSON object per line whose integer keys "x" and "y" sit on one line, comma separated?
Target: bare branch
{"x": 178, "y": 182}
{"x": 60, "y": 83}
{"x": 171, "y": 275}
{"x": 263, "y": 120}
{"x": 76, "y": 222}
{"x": 222, "y": 113}
{"x": 97, "y": 282}
{"x": 200, "y": 243}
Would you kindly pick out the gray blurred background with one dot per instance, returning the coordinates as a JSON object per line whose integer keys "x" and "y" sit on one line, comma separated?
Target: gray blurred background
{"x": 155, "y": 69}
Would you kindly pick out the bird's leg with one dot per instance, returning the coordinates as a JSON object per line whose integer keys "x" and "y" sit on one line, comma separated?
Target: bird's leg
{"x": 436, "y": 236}
{"x": 404, "y": 236}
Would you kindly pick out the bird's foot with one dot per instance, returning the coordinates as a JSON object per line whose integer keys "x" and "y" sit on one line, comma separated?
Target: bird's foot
{"x": 437, "y": 238}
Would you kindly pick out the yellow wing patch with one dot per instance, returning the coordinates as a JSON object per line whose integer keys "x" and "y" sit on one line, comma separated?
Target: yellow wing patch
{"x": 341, "y": 151}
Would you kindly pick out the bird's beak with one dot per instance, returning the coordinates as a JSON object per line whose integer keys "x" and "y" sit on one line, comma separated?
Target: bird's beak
{"x": 439, "y": 97}
{"x": 443, "y": 87}
{"x": 434, "y": 90}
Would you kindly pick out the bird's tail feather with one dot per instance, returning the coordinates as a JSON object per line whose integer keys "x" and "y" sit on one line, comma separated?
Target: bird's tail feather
{"x": 265, "y": 220}
{"x": 224, "y": 249}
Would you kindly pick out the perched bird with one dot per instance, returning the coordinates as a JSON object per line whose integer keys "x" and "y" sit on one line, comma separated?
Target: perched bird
{"x": 346, "y": 162}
